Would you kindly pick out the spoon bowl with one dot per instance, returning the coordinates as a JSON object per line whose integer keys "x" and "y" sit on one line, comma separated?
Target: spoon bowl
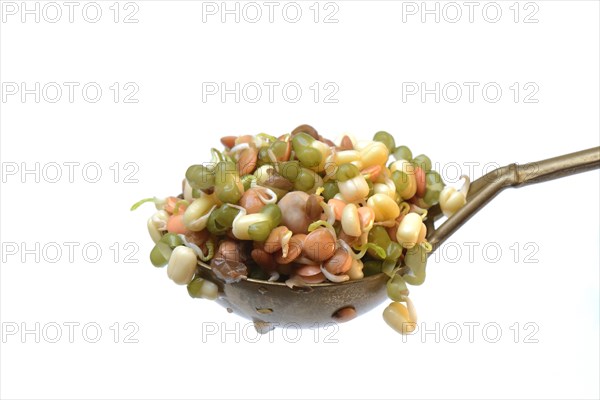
{"x": 272, "y": 304}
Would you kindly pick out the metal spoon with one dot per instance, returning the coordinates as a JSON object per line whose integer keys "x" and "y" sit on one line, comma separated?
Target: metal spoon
{"x": 272, "y": 304}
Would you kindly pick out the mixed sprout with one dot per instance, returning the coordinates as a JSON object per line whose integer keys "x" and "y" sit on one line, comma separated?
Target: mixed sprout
{"x": 302, "y": 209}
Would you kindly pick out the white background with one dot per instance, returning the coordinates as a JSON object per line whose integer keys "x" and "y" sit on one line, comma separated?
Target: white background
{"x": 367, "y": 54}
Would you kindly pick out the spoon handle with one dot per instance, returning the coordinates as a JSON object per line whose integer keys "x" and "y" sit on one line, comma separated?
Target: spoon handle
{"x": 484, "y": 189}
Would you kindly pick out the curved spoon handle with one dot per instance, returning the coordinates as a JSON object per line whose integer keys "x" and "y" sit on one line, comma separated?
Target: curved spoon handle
{"x": 484, "y": 189}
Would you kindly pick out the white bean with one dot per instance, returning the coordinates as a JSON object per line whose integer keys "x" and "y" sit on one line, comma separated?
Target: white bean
{"x": 451, "y": 200}
{"x": 355, "y": 189}
{"x": 182, "y": 265}
{"x": 157, "y": 224}
{"x": 409, "y": 229}
{"x": 350, "y": 220}
{"x": 401, "y": 318}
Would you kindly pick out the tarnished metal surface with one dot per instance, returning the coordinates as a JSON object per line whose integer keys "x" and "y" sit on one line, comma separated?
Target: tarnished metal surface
{"x": 275, "y": 303}
{"x": 271, "y": 304}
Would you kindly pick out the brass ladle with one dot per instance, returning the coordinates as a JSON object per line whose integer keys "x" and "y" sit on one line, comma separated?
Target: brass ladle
{"x": 272, "y": 304}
